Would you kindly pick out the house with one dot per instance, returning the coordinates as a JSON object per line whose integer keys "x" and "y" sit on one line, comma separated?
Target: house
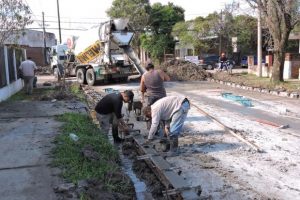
{"x": 13, "y": 52}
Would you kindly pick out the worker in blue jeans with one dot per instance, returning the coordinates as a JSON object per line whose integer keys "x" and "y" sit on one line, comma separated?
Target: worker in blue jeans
{"x": 173, "y": 109}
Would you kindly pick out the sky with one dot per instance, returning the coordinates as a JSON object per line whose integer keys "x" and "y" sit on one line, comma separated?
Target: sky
{"x": 81, "y": 15}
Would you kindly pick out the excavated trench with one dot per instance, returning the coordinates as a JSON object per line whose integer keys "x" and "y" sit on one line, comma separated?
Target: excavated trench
{"x": 152, "y": 186}
{"x": 146, "y": 184}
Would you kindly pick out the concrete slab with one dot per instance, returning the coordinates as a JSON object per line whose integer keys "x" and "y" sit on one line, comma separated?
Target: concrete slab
{"x": 27, "y": 129}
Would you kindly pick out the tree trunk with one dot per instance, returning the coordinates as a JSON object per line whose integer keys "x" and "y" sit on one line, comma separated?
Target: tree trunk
{"x": 280, "y": 43}
{"x": 278, "y": 64}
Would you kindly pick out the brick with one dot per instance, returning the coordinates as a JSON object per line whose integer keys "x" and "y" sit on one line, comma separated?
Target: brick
{"x": 284, "y": 94}
{"x": 274, "y": 92}
{"x": 257, "y": 89}
{"x": 265, "y": 90}
{"x": 294, "y": 95}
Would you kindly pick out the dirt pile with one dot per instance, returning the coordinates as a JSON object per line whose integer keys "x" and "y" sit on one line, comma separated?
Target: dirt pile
{"x": 43, "y": 70}
{"x": 180, "y": 70}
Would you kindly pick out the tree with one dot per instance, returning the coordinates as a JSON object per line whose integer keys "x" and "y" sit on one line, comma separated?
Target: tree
{"x": 14, "y": 17}
{"x": 245, "y": 28}
{"x": 204, "y": 33}
{"x": 281, "y": 16}
{"x": 137, "y": 11}
{"x": 158, "y": 39}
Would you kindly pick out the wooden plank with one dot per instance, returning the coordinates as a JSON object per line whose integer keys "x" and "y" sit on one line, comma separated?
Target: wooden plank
{"x": 164, "y": 170}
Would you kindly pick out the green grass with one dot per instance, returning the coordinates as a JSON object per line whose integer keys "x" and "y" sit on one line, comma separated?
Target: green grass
{"x": 37, "y": 92}
{"x": 254, "y": 81}
{"x": 67, "y": 153}
{"x": 76, "y": 90}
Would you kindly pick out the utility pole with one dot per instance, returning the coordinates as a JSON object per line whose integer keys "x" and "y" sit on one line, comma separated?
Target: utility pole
{"x": 220, "y": 33}
{"x": 58, "y": 15}
{"x": 259, "y": 44}
{"x": 44, "y": 37}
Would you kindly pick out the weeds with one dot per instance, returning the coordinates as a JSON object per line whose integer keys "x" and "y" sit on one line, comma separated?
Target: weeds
{"x": 68, "y": 153}
{"x": 37, "y": 92}
{"x": 254, "y": 81}
{"x": 76, "y": 91}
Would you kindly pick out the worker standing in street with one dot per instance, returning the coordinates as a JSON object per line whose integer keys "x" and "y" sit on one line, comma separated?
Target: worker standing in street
{"x": 152, "y": 82}
{"x": 174, "y": 110}
{"x": 27, "y": 68}
{"x": 109, "y": 111}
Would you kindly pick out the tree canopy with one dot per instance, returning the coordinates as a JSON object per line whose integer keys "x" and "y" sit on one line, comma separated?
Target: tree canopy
{"x": 137, "y": 11}
{"x": 14, "y": 16}
{"x": 158, "y": 39}
{"x": 281, "y": 16}
{"x": 204, "y": 32}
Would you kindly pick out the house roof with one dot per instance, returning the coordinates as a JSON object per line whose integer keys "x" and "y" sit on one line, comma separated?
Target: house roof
{"x": 32, "y": 38}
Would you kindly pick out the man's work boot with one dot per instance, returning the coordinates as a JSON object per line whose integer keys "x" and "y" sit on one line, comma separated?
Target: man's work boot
{"x": 173, "y": 146}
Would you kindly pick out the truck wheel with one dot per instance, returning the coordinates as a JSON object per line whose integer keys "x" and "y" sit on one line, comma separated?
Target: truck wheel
{"x": 56, "y": 74}
{"x": 123, "y": 79}
{"x": 80, "y": 74}
{"x": 210, "y": 67}
{"x": 90, "y": 77}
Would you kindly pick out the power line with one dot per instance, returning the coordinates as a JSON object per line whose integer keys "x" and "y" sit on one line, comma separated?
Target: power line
{"x": 68, "y": 29}
{"x": 32, "y": 12}
{"x": 70, "y": 22}
{"x": 96, "y": 18}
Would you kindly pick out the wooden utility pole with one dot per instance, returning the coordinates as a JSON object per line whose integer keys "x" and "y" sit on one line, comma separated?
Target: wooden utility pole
{"x": 44, "y": 37}
{"x": 58, "y": 16}
{"x": 259, "y": 44}
{"x": 220, "y": 33}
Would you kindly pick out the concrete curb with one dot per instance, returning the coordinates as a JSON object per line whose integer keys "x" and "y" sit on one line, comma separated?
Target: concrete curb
{"x": 293, "y": 95}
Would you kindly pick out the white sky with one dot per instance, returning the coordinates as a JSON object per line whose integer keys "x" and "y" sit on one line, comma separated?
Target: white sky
{"x": 77, "y": 14}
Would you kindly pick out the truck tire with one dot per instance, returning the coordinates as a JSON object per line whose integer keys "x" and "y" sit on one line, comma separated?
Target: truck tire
{"x": 56, "y": 74}
{"x": 80, "y": 75}
{"x": 210, "y": 67}
{"x": 90, "y": 77}
{"x": 124, "y": 79}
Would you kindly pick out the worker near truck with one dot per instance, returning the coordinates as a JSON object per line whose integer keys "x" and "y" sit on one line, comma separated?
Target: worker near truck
{"x": 109, "y": 111}
{"x": 152, "y": 82}
{"x": 174, "y": 110}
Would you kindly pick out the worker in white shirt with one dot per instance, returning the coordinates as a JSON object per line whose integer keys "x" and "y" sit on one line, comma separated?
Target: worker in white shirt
{"x": 27, "y": 69}
{"x": 173, "y": 109}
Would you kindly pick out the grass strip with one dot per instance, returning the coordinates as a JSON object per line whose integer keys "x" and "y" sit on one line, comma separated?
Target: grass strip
{"x": 68, "y": 153}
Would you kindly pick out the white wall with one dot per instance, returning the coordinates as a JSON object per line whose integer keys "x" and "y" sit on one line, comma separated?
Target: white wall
{"x": 11, "y": 88}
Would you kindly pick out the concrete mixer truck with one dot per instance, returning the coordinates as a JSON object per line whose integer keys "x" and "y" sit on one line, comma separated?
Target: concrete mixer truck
{"x": 101, "y": 54}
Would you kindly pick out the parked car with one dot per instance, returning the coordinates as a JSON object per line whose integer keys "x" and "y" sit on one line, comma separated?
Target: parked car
{"x": 209, "y": 62}
{"x": 212, "y": 62}
{"x": 244, "y": 61}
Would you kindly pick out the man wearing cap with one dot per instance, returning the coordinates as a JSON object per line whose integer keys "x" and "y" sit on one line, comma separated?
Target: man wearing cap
{"x": 152, "y": 82}
{"x": 109, "y": 111}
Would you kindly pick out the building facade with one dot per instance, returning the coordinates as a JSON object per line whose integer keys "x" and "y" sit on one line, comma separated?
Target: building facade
{"x": 14, "y": 51}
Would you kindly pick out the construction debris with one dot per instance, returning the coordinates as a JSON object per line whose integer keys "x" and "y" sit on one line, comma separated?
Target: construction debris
{"x": 180, "y": 70}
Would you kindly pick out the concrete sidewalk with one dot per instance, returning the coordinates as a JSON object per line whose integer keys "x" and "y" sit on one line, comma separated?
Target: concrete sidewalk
{"x": 27, "y": 129}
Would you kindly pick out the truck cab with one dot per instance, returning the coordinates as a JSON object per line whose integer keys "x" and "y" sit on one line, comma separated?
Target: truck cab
{"x": 58, "y": 57}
